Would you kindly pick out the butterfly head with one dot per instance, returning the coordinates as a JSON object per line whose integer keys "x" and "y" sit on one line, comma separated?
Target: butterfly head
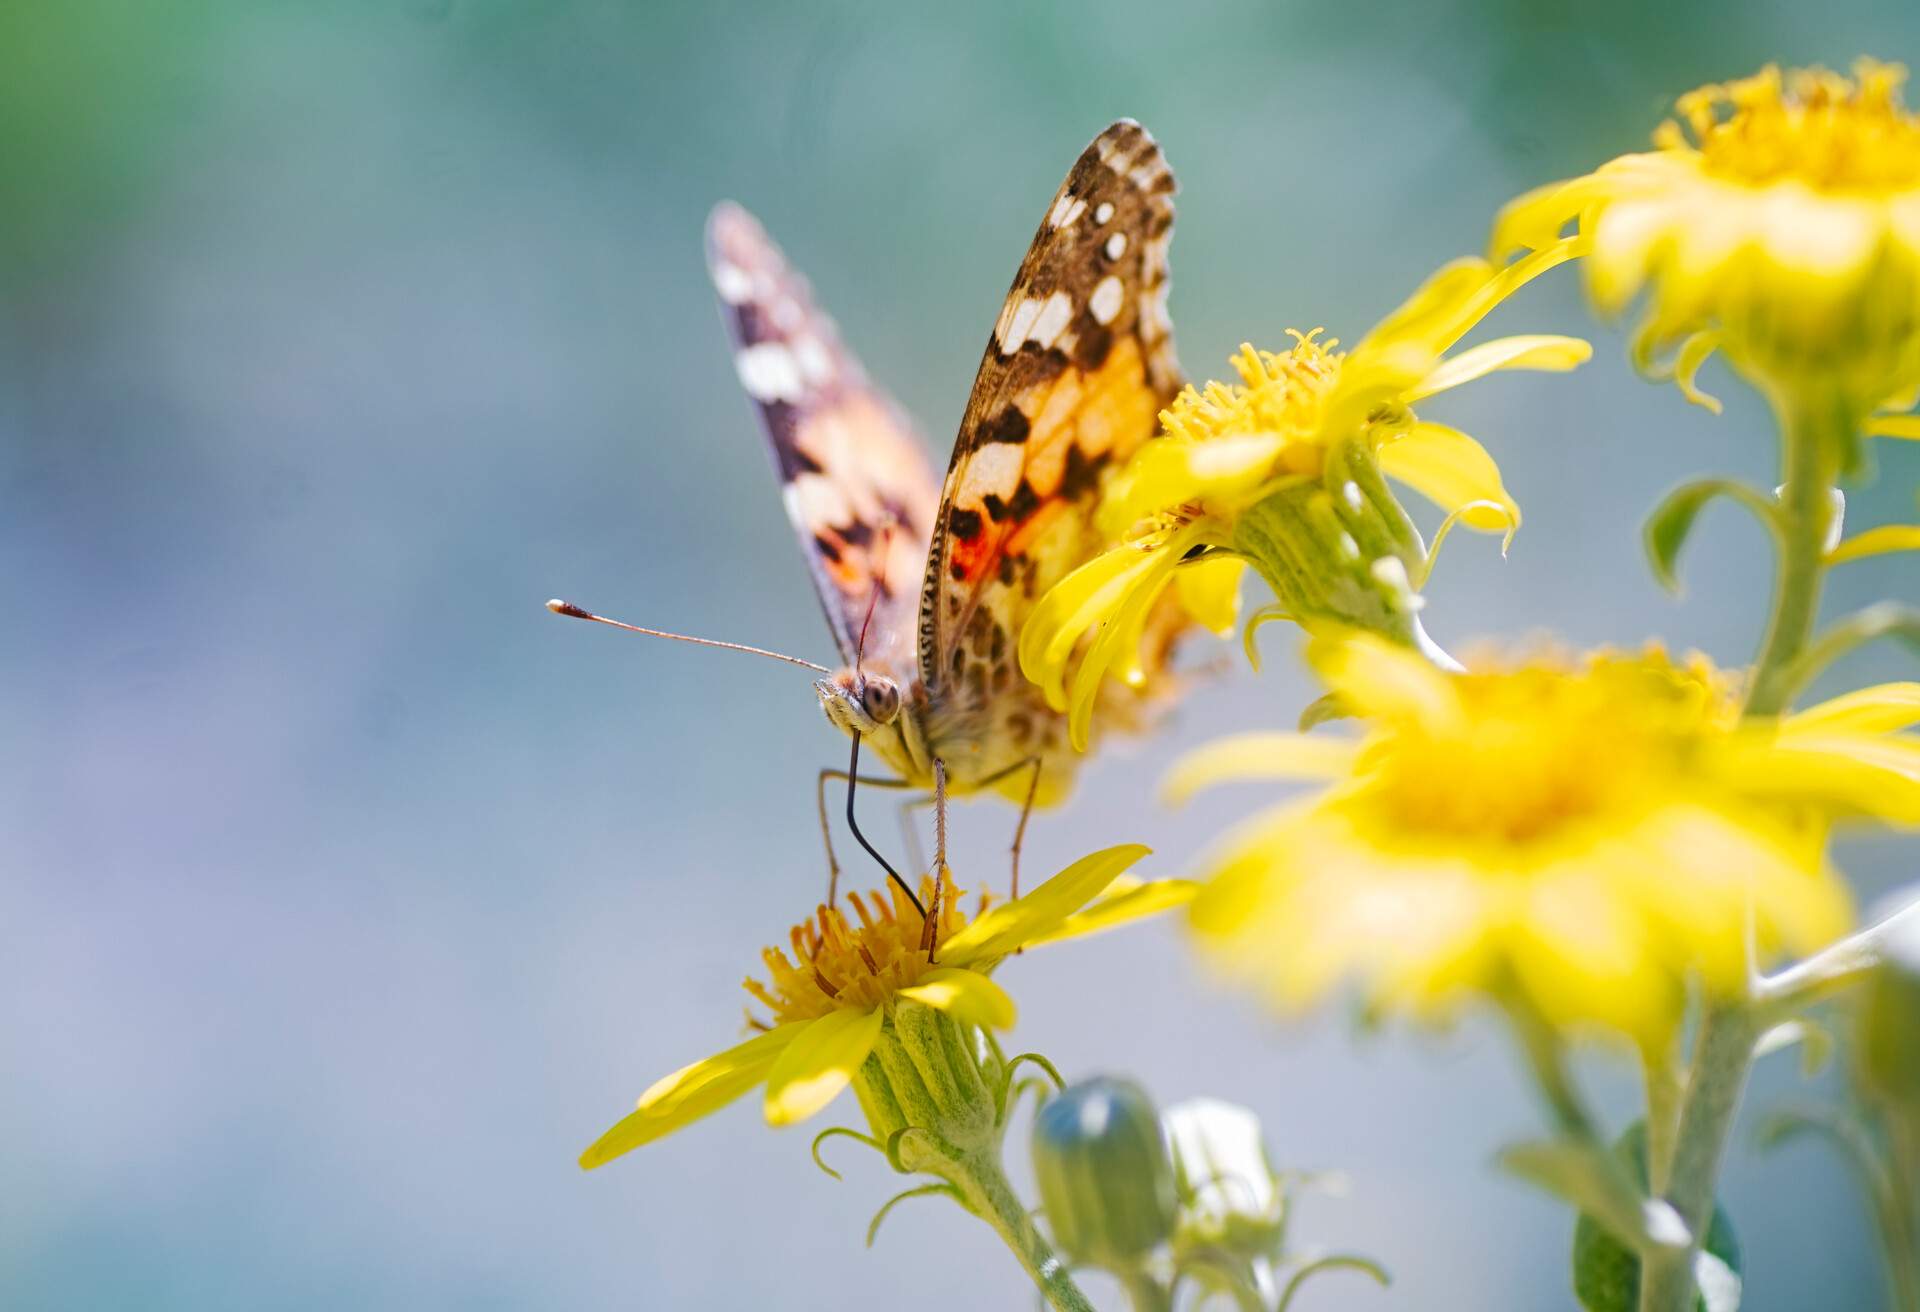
{"x": 859, "y": 701}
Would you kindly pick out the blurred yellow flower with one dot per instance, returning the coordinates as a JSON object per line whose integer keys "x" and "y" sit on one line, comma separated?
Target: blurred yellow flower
{"x": 846, "y": 983}
{"x": 1587, "y": 834}
{"x": 1780, "y": 224}
{"x": 1283, "y": 470}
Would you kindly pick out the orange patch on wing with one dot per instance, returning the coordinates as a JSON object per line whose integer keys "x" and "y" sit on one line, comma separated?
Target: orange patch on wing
{"x": 1102, "y": 415}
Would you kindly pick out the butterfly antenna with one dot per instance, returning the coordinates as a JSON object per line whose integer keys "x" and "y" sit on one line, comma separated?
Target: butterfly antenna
{"x": 873, "y": 593}
{"x": 567, "y": 608}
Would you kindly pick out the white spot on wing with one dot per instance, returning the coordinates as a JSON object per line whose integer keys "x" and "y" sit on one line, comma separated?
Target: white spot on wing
{"x": 733, "y": 283}
{"x": 815, "y": 500}
{"x": 1116, "y": 245}
{"x": 1054, "y": 316}
{"x": 1104, "y": 304}
{"x": 1019, "y": 324}
{"x": 1065, "y": 210}
{"x": 816, "y": 363}
{"x": 769, "y": 373}
{"x": 995, "y": 468}
{"x": 1104, "y": 213}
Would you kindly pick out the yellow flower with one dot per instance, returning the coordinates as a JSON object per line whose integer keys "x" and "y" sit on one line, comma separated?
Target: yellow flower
{"x": 1584, "y": 836}
{"x": 1780, "y": 224}
{"x": 850, "y": 986}
{"x": 1283, "y": 470}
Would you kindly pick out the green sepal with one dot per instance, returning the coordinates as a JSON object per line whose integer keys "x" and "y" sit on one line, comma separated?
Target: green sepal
{"x": 921, "y": 1191}
{"x": 841, "y": 1131}
{"x": 1668, "y": 527}
{"x": 1332, "y": 1262}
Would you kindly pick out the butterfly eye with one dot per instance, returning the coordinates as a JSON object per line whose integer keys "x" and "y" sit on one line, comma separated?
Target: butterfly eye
{"x": 880, "y": 698}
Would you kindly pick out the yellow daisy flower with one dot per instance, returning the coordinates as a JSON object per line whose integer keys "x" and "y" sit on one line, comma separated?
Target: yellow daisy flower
{"x": 1283, "y": 471}
{"x": 864, "y": 1002}
{"x": 1779, "y": 222}
{"x": 1583, "y": 837}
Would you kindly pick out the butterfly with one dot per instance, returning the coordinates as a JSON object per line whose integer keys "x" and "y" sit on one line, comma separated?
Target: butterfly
{"x": 927, "y": 582}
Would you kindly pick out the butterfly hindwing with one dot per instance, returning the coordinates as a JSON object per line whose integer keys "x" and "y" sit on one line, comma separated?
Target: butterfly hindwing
{"x": 1077, "y": 370}
{"x": 853, "y": 473}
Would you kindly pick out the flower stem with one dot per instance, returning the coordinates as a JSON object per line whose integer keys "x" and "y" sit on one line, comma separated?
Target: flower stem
{"x": 1816, "y": 428}
{"x": 984, "y": 1187}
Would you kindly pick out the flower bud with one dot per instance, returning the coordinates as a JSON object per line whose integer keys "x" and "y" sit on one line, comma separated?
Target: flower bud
{"x": 1890, "y": 1021}
{"x": 1106, "y": 1181}
{"x": 1230, "y": 1196}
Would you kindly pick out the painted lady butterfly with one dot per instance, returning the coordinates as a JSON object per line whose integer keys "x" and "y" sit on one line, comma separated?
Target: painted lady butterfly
{"x": 926, "y": 586}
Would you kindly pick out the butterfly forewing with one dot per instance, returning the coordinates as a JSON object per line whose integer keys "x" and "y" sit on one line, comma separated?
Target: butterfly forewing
{"x": 853, "y": 473}
{"x": 1077, "y": 369}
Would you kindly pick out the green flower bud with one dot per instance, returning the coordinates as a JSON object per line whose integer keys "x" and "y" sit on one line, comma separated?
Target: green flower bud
{"x": 1106, "y": 1181}
{"x": 1889, "y": 1044}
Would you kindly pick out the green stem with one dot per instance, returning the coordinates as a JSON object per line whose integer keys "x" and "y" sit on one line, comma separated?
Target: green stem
{"x": 1806, "y": 512}
{"x": 990, "y": 1197}
{"x": 1666, "y": 1083}
{"x": 1900, "y": 1228}
{"x": 1815, "y": 425}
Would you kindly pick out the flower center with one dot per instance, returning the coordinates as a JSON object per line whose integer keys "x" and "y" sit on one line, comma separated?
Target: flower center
{"x": 860, "y": 963}
{"x": 1277, "y": 393}
{"x": 1541, "y": 751}
{"x": 1832, "y": 133}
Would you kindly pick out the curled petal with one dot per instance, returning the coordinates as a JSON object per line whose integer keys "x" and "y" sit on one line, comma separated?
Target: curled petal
{"x": 1454, "y": 471}
{"x": 1209, "y": 591}
{"x": 1693, "y": 353}
{"x": 820, "y": 1062}
{"x": 1542, "y": 352}
{"x": 1073, "y": 606}
{"x": 1901, "y": 426}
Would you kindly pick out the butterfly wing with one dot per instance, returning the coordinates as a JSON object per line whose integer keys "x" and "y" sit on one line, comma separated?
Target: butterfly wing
{"x": 853, "y": 473}
{"x": 1079, "y": 366}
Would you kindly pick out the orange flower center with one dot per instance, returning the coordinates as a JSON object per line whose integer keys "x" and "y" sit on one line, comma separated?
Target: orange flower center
{"x": 836, "y": 963}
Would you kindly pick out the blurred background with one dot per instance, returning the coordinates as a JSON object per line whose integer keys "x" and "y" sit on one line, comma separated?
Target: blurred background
{"x": 345, "y": 894}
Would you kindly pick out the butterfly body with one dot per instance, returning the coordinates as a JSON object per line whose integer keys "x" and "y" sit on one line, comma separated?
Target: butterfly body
{"x": 926, "y": 583}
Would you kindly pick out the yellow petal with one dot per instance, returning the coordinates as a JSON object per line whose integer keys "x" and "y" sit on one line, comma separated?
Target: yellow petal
{"x": 1209, "y": 591}
{"x": 1876, "y": 542}
{"x": 1903, "y": 426}
{"x": 1119, "y": 642}
{"x": 819, "y": 1063}
{"x": 1013, "y": 924}
{"x": 1071, "y": 607}
{"x": 1582, "y": 956}
{"x": 1454, "y": 471}
{"x": 965, "y": 995}
{"x": 1125, "y": 901}
{"x": 1257, "y": 756}
{"x": 1542, "y": 352}
{"x": 1883, "y": 708}
{"x": 1878, "y": 777}
{"x": 692, "y": 1092}
{"x": 1169, "y": 472}
{"x": 1376, "y": 677}
{"x": 1693, "y": 353}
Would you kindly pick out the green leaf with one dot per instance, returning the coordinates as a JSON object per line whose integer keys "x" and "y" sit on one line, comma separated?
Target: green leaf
{"x": 1606, "y": 1272}
{"x": 1601, "y": 1185}
{"x": 1883, "y": 619}
{"x": 1672, "y": 520}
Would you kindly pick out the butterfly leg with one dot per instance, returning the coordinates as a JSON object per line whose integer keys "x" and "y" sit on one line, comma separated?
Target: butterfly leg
{"x": 1026, "y": 813}
{"x": 826, "y": 828}
{"x": 930, "y": 933}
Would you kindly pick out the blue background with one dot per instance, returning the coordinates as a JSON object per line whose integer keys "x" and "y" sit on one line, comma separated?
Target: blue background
{"x": 345, "y": 895}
